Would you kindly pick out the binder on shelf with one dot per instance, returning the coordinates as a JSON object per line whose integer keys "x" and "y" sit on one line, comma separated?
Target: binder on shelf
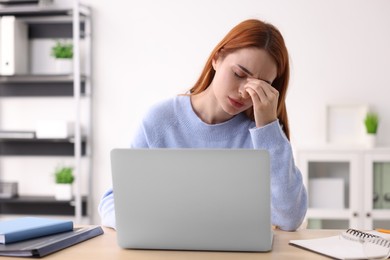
{"x": 13, "y": 46}
{"x": 25, "y": 228}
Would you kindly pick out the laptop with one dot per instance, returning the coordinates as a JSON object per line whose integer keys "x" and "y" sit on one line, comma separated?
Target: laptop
{"x": 192, "y": 199}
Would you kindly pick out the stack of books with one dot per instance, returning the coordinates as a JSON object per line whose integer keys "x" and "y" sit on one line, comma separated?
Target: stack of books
{"x": 37, "y": 237}
{"x": 4, "y": 134}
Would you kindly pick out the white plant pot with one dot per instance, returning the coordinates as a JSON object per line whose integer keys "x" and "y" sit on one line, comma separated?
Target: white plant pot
{"x": 63, "y": 191}
{"x": 64, "y": 66}
{"x": 371, "y": 140}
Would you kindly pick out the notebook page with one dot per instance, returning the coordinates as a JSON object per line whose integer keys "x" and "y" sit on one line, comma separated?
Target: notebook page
{"x": 337, "y": 247}
{"x": 333, "y": 246}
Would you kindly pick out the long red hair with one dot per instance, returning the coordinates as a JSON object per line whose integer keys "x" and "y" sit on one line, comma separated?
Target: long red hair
{"x": 254, "y": 33}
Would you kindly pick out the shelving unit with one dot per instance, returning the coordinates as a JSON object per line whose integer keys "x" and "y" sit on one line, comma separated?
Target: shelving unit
{"x": 53, "y": 22}
{"x": 346, "y": 180}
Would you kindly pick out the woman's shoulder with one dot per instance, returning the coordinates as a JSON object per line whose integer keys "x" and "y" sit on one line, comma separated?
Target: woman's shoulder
{"x": 169, "y": 104}
{"x": 167, "y": 109}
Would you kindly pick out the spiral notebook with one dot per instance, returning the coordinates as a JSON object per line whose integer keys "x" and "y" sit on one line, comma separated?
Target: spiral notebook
{"x": 350, "y": 244}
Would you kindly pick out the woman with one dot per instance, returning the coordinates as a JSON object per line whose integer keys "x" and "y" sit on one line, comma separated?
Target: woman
{"x": 237, "y": 102}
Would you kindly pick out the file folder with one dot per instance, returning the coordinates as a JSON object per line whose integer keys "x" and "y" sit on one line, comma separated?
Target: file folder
{"x": 13, "y": 46}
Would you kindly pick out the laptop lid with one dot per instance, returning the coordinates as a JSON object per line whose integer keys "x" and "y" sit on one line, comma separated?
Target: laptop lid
{"x": 192, "y": 199}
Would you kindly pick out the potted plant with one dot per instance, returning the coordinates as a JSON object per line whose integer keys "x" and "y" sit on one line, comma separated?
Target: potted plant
{"x": 63, "y": 54}
{"x": 371, "y": 121}
{"x": 64, "y": 178}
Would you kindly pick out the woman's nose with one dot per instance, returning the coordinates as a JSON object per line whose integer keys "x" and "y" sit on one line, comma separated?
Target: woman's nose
{"x": 242, "y": 92}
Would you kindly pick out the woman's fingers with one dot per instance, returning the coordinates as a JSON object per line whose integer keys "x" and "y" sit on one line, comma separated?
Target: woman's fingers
{"x": 264, "y": 99}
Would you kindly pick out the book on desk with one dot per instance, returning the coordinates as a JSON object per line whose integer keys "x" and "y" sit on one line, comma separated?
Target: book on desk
{"x": 23, "y": 228}
{"x": 42, "y": 246}
{"x": 37, "y": 237}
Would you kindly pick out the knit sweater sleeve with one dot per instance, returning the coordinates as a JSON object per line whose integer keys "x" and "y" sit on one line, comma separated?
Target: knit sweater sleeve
{"x": 106, "y": 209}
{"x": 288, "y": 194}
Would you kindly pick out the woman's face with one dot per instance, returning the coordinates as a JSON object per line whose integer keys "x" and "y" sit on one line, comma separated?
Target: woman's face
{"x": 232, "y": 73}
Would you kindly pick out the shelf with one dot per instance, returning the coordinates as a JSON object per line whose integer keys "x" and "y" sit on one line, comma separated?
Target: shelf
{"x": 51, "y": 27}
{"x": 40, "y": 205}
{"x": 41, "y": 10}
{"x": 39, "y": 147}
{"x": 47, "y": 22}
{"x": 39, "y": 85}
{"x": 38, "y": 78}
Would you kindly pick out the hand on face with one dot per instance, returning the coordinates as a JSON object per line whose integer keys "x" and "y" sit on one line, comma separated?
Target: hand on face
{"x": 264, "y": 99}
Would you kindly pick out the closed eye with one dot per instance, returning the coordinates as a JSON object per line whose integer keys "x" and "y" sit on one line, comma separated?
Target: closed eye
{"x": 239, "y": 76}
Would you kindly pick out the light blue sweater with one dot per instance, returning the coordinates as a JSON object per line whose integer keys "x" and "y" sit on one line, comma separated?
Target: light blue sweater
{"x": 174, "y": 124}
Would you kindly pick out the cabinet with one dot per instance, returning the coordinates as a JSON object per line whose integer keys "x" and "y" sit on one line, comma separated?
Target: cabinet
{"x": 347, "y": 187}
{"x": 70, "y": 94}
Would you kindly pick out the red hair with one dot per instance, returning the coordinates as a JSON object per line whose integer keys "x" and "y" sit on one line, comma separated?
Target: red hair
{"x": 258, "y": 34}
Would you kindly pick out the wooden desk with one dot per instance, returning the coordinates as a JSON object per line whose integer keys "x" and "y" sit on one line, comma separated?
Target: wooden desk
{"x": 105, "y": 247}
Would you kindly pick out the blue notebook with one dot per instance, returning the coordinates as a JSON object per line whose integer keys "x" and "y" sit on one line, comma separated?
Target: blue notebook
{"x": 31, "y": 227}
{"x": 42, "y": 246}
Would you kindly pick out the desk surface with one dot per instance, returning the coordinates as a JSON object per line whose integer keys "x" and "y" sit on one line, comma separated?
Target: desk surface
{"x": 105, "y": 247}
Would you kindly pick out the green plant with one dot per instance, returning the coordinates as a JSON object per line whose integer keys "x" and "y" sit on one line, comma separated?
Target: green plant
{"x": 371, "y": 121}
{"x": 64, "y": 175}
{"x": 62, "y": 50}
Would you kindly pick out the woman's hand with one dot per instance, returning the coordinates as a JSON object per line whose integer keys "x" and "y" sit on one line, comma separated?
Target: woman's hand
{"x": 264, "y": 99}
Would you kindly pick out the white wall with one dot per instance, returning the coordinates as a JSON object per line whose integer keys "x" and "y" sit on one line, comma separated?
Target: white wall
{"x": 147, "y": 50}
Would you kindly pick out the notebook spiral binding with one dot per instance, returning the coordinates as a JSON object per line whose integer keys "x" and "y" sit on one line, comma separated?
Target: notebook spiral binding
{"x": 363, "y": 237}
